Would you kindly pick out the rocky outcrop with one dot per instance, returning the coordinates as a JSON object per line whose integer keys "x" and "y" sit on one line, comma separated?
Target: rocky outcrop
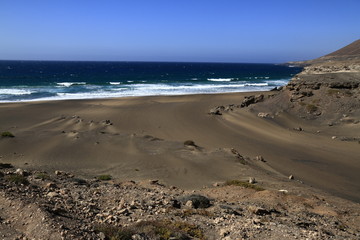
{"x": 247, "y": 101}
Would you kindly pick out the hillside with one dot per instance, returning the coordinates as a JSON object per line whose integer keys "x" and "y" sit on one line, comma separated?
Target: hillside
{"x": 351, "y": 49}
{"x": 342, "y": 59}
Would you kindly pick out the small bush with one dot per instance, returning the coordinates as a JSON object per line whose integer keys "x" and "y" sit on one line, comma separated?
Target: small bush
{"x": 190, "y": 143}
{"x": 162, "y": 229}
{"x": 7, "y": 134}
{"x": 6, "y": 165}
{"x": 316, "y": 101}
{"x": 190, "y": 212}
{"x": 42, "y": 176}
{"x": 78, "y": 181}
{"x": 105, "y": 177}
{"x": 332, "y": 92}
{"x": 311, "y": 108}
{"x": 243, "y": 184}
{"x": 115, "y": 233}
{"x": 17, "y": 179}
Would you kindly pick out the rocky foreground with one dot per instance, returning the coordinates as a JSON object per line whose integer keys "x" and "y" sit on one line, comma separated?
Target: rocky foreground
{"x": 58, "y": 205}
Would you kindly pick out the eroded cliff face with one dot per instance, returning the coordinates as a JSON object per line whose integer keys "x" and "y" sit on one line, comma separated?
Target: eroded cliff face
{"x": 327, "y": 89}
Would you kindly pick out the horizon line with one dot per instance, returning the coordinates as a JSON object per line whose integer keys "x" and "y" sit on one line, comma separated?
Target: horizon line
{"x": 143, "y": 61}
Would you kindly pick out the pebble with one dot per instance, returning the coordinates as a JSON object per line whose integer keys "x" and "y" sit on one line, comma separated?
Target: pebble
{"x": 52, "y": 194}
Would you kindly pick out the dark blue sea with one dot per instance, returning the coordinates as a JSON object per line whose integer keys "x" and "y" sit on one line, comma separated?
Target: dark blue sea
{"x": 55, "y": 80}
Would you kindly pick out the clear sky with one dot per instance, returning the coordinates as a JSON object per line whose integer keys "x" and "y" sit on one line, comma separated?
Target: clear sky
{"x": 176, "y": 30}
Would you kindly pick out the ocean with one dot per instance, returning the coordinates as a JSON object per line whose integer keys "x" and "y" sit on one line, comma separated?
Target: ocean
{"x": 60, "y": 80}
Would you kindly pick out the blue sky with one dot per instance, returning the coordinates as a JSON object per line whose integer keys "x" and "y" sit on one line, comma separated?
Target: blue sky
{"x": 170, "y": 30}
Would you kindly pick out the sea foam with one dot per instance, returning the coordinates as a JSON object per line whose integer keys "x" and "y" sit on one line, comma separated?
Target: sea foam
{"x": 69, "y": 84}
{"x": 220, "y": 79}
{"x": 11, "y": 91}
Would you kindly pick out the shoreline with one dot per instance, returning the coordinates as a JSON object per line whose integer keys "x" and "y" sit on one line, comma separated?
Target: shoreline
{"x": 268, "y": 89}
{"x": 144, "y": 96}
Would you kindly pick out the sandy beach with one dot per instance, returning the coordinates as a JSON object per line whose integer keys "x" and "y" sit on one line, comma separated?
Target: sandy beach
{"x": 143, "y": 138}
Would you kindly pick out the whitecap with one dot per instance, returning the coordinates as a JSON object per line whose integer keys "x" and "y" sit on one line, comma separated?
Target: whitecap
{"x": 115, "y": 83}
{"x": 69, "y": 84}
{"x": 11, "y": 91}
{"x": 257, "y": 84}
{"x": 220, "y": 79}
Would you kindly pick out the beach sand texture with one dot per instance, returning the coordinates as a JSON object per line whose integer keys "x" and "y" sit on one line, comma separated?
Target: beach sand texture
{"x": 143, "y": 138}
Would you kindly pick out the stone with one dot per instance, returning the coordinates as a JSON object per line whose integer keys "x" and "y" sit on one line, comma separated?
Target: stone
{"x": 216, "y": 184}
{"x": 263, "y": 115}
{"x": 52, "y": 194}
{"x": 248, "y": 100}
{"x": 260, "y": 158}
{"x": 107, "y": 122}
{"x": 217, "y": 110}
{"x": 229, "y": 108}
{"x": 259, "y": 211}
{"x": 198, "y": 201}
{"x": 175, "y": 203}
{"x": 259, "y": 98}
{"x": 224, "y": 232}
{"x": 102, "y": 236}
{"x": 291, "y": 177}
{"x": 50, "y": 185}
{"x": 219, "y": 220}
{"x": 252, "y": 180}
{"x": 122, "y": 204}
{"x": 298, "y": 129}
{"x": 139, "y": 237}
{"x": 124, "y": 211}
{"x": 20, "y": 171}
{"x": 154, "y": 182}
{"x": 189, "y": 204}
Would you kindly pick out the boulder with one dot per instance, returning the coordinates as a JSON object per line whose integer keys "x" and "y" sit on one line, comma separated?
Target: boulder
{"x": 198, "y": 201}
{"x": 217, "y": 110}
{"x": 248, "y": 100}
